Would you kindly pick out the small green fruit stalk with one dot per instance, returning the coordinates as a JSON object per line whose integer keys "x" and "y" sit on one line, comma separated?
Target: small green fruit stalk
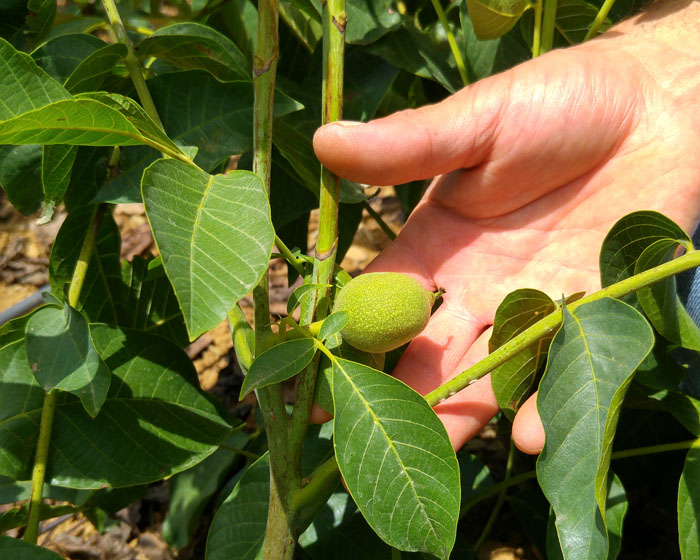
{"x": 387, "y": 310}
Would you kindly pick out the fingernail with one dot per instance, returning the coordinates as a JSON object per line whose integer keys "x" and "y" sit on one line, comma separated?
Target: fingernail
{"x": 348, "y": 123}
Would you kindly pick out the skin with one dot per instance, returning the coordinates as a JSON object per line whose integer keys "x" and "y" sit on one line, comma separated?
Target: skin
{"x": 532, "y": 167}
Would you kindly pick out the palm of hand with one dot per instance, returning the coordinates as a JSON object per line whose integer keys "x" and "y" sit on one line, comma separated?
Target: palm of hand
{"x": 531, "y": 185}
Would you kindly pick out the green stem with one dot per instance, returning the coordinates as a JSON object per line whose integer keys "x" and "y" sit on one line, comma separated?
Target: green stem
{"x": 290, "y": 257}
{"x": 132, "y": 62}
{"x": 316, "y": 306}
{"x": 80, "y": 271}
{"x": 537, "y": 32}
{"x": 48, "y": 410}
{"x": 451, "y": 41}
{"x": 486, "y": 493}
{"x": 39, "y": 471}
{"x": 279, "y": 533}
{"x": 553, "y": 320}
{"x": 548, "y": 20}
{"x": 321, "y": 483}
{"x": 380, "y": 221}
{"x": 501, "y": 499}
{"x": 599, "y": 19}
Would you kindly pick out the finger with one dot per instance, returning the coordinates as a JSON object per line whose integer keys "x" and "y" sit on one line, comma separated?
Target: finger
{"x": 528, "y": 432}
{"x": 416, "y": 143}
{"x": 319, "y": 415}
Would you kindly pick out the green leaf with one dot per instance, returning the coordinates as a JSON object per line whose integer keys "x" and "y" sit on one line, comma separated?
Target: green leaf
{"x": 103, "y": 287}
{"x": 150, "y": 304}
{"x": 626, "y": 242}
{"x": 387, "y": 439}
{"x": 493, "y": 18}
{"x": 214, "y": 234}
{"x": 62, "y": 356}
{"x": 333, "y": 324}
{"x": 23, "y": 85}
{"x": 368, "y": 20}
{"x": 616, "y": 509}
{"x": 574, "y": 18}
{"x": 485, "y": 58}
{"x": 16, "y": 548}
{"x": 191, "y": 490}
{"x": 192, "y": 45}
{"x": 196, "y": 110}
{"x": 60, "y": 56}
{"x": 40, "y": 18}
{"x": 155, "y": 422}
{"x": 513, "y": 380}
{"x": 238, "y": 528}
{"x": 342, "y": 349}
{"x": 26, "y": 22}
{"x": 300, "y": 293}
{"x": 94, "y": 68}
{"x": 56, "y": 166}
{"x": 421, "y": 52}
{"x": 303, "y": 20}
{"x": 20, "y": 176}
{"x": 689, "y": 506}
{"x": 660, "y": 301}
{"x": 89, "y": 172}
{"x": 279, "y": 363}
{"x": 367, "y": 80}
{"x": 80, "y": 121}
{"x": 591, "y": 362}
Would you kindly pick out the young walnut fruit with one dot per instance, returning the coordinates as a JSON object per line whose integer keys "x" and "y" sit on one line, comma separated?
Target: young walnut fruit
{"x": 387, "y": 310}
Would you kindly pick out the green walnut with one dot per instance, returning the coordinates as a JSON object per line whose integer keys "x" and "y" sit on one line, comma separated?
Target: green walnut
{"x": 387, "y": 309}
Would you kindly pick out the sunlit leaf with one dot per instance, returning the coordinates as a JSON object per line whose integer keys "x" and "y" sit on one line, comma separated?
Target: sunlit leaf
{"x": 219, "y": 245}
{"x": 396, "y": 459}
{"x": 333, "y": 324}
{"x": 278, "y": 363}
{"x": 300, "y": 293}
{"x": 493, "y": 18}
{"x": 192, "y": 45}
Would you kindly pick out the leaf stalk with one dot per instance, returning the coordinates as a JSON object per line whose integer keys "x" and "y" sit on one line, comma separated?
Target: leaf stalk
{"x": 132, "y": 62}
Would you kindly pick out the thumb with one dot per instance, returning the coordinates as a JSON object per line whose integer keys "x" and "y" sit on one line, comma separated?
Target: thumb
{"x": 416, "y": 143}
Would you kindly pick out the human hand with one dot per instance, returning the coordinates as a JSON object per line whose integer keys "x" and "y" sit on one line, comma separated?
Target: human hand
{"x": 534, "y": 166}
